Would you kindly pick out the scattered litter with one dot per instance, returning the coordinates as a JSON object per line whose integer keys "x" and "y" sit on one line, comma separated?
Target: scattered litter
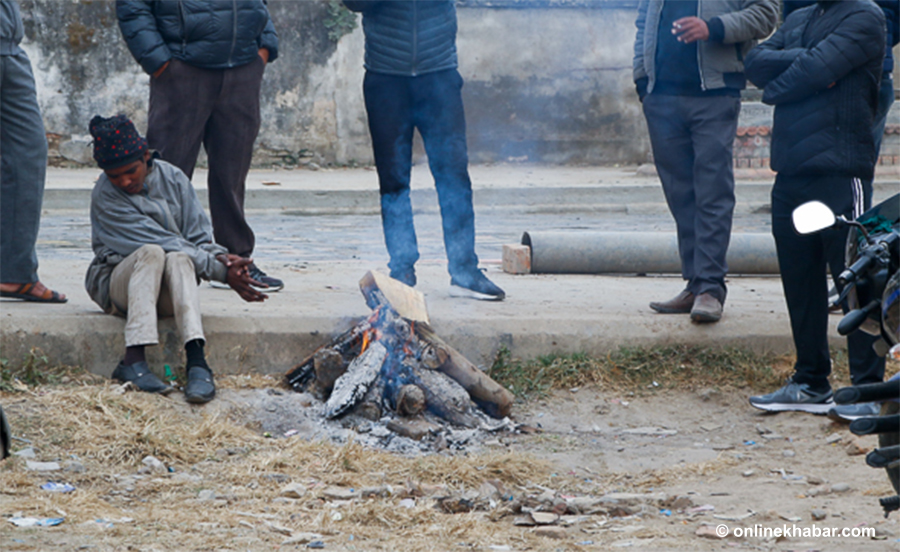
{"x": 751, "y": 513}
{"x": 290, "y": 432}
{"x": 499, "y": 547}
{"x": 407, "y": 503}
{"x": 749, "y": 473}
{"x": 55, "y": 487}
{"x": 271, "y": 183}
{"x": 316, "y": 544}
{"x": 793, "y": 519}
{"x": 649, "y": 431}
{"x": 710, "y": 427}
{"x": 25, "y": 453}
{"x": 35, "y": 522}
{"x": 701, "y": 509}
{"x": 336, "y": 516}
{"x": 749, "y": 443}
{"x": 584, "y": 543}
{"x": 709, "y": 532}
{"x": 41, "y": 466}
{"x": 666, "y": 512}
{"x": 833, "y": 438}
{"x": 788, "y": 453}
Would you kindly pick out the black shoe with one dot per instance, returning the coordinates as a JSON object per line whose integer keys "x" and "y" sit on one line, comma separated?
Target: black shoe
{"x": 140, "y": 375}
{"x": 407, "y": 276}
{"x": 200, "y": 386}
{"x": 274, "y": 284}
{"x": 477, "y": 286}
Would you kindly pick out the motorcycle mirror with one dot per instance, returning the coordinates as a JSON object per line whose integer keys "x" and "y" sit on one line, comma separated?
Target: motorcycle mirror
{"x": 812, "y": 217}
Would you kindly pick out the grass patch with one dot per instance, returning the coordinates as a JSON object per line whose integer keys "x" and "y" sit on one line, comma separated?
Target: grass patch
{"x": 637, "y": 369}
{"x": 35, "y": 369}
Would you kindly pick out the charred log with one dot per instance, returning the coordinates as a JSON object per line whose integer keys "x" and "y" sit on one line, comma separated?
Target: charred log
{"x": 492, "y": 397}
{"x": 350, "y": 388}
{"x": 329, "y": 365}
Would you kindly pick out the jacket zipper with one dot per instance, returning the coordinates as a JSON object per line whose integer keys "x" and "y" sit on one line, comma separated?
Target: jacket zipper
{"x": 415, "y": 45}
{"x": 699, "y": 56}
{"x": 233, "y": 31}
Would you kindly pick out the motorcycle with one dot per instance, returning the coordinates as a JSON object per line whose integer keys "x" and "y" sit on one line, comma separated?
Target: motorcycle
{"x": 871, "y": 288}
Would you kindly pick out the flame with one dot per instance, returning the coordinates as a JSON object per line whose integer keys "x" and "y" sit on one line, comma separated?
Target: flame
{"x": 367, "y": 337}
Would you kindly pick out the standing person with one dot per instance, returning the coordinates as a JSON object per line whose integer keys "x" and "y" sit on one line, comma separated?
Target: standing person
{"x": 412, "y": 82}
{"x": 152, "y": 243}
{"x": 891, "y": 9}
{"x": 821, "y": 71}
{"x": 206, "y": 61}
{"x": 688, "y": 72}
{"x": 23, "y": 166}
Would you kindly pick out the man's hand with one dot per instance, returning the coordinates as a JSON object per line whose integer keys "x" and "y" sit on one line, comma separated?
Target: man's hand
{"x": 690, "y": 29}
{"x": 264, "y": 54}
{"x": 239, "y": 278}
{"x": 159, "y": 71}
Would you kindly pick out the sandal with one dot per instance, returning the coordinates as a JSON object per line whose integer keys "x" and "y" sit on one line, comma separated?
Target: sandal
{"x": 24, "y": 293}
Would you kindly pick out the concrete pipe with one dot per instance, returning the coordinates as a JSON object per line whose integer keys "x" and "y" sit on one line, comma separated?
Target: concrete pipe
{"x": 637, "y": 252}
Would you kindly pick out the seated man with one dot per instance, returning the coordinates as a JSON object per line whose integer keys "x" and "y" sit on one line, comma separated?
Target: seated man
{"x": 152, "y": 243}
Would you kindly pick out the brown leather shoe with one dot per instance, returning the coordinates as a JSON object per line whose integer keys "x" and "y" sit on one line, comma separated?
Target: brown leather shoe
{"x": 680, "y": 304}
{"x": 706, "y": 309}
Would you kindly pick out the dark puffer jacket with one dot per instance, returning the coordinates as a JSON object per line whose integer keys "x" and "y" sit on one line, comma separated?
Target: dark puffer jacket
{"x": 202, "y": 33}
{"x": 408, "y": 37}
{"x": 821, "y": 71}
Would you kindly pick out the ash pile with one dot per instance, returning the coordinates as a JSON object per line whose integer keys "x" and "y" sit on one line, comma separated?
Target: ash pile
{"x": 397, "y": 383}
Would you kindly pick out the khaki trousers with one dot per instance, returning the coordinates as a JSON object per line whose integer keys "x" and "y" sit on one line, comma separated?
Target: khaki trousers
{"x": 151, "y": 283}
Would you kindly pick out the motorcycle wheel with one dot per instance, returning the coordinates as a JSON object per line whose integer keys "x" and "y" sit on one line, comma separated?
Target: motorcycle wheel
{"x": 888, "y": 440}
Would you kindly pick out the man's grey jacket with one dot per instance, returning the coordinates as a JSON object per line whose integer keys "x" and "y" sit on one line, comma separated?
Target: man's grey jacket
{"x": 11, "y": 30}
{"x": 744, "y": 23}
{"x": 166, "y": 213}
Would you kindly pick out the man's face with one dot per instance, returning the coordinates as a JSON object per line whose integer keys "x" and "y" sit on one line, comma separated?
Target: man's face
{"x": 130, "y": 178}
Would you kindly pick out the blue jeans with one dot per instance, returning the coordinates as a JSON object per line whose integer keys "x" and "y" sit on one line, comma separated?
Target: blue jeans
{"x": 433, "y": 104}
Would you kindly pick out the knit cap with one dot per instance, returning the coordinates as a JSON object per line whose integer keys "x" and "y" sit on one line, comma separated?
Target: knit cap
{"x": 116, "y": 141}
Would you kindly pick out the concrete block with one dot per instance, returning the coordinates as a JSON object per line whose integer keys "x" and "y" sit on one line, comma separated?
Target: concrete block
{"x": 516, "y": 259}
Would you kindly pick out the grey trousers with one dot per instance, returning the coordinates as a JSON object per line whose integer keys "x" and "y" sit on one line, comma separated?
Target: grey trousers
{"x": 692, "y": 139}
{"x": 23, "y": 167}
{"x": 220, "y": 109}
{"x": 151, "y": 283}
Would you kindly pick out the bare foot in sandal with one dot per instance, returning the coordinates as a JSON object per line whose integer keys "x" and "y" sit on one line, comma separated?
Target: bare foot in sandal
{"x": 34, "y": 291}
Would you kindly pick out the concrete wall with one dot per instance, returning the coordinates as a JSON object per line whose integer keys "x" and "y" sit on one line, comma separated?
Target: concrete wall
{"x": 546, "y": 81}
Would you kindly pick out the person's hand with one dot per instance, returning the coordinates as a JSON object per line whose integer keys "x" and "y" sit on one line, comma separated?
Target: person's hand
{"x": 690, "y": 29}
{"x": 264, "y": 54}
{"x": 239, "y": 279}
{"x": 159, "y": 71}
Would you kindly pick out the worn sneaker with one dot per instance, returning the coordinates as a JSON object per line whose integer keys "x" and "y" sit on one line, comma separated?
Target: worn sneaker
{"x": 274, "y": 284}
{"x": 794, "y": 397}
{"x": 849, "y": 412}
{"x": 477, "y": 286}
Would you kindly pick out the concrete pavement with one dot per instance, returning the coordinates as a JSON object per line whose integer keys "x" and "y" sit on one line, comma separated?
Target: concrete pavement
{"x": 542, "y": 314}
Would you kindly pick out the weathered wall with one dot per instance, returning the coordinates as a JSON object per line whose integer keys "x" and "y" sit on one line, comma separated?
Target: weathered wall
{"x": 544, "y": 83}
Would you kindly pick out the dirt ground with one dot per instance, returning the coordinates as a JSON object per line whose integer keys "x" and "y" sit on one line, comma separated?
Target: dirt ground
{"x": 644, "y": 472}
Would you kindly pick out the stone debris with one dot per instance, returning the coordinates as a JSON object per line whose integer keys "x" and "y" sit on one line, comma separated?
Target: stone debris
{"x": 206, "y": 495}
{"x": 833, "y": 438}
{"x": 840, "y": 488}
{"x": 818, "y": 515}
{"x": 293, "y": 490}
{"x": 42, "y": 466}
{"x": 25, "y": 453}
{"x": 708, "y": 532}
{"x": 153, "y": 465}
{"x": 340, "y": 493}
{"x": 544, "y": 518}
{"x": 649, "y": 431}
{"x": 788, "y": 453}
{"x": 301, "y": 538}
{"x": 854, "y": 447}
{"x": 710, "y": 427}
{"x": 749, "y": 473}
{"x": 550, "y": 532}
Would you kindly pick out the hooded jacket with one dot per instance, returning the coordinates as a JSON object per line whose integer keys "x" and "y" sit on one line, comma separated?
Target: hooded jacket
{"x": 408, "y": 38}
{"x": 202, "y": 33}
{"x": 736, "y": 26}
{"x": 822, "y": 72}
{"x": 166, "y": 213}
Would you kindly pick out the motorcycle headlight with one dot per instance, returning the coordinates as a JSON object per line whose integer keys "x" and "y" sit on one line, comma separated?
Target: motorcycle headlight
{"x": 890, "y": 309}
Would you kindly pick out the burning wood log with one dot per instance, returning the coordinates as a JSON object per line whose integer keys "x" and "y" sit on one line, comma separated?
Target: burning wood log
{"x": 350, "y": 388}
{"x": 492, "y": 397}
{"x": 410, "y": 400}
